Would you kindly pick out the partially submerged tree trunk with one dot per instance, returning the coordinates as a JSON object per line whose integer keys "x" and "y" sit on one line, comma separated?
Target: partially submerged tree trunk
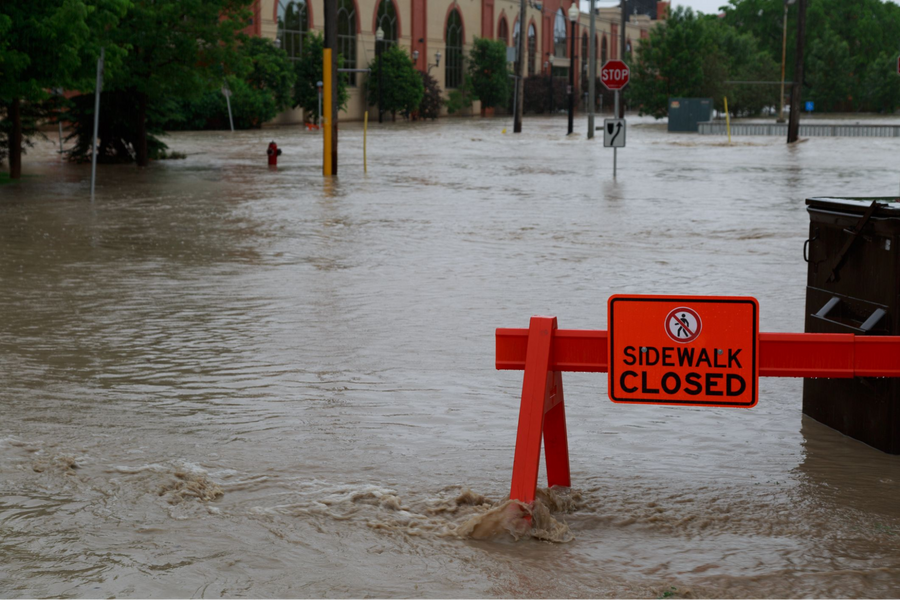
{"x": 15, "y": 139}
{"x": 140, "y": 145}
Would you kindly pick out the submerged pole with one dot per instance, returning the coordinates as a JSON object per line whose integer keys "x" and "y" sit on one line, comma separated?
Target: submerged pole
{"x": 97, "y": 91}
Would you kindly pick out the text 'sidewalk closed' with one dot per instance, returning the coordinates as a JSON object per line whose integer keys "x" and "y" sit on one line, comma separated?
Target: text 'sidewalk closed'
{"x": 683, "y": 350}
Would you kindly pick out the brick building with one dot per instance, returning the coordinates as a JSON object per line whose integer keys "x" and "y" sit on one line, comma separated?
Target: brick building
{"x": 449, "y": 27}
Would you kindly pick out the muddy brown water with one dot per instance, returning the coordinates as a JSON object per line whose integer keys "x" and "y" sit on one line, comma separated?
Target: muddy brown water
{"x": 219, "y": 379}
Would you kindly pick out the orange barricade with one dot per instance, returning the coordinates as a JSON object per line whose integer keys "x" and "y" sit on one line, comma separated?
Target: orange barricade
{"x": 544, "y": 352}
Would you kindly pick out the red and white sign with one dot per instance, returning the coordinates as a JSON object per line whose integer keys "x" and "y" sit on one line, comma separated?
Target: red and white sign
{"x": 615, "y": 74}
{"x": 684, "y": 350}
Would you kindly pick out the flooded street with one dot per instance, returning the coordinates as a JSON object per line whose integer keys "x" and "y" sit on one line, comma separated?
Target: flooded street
{"x": 224, "y": 380}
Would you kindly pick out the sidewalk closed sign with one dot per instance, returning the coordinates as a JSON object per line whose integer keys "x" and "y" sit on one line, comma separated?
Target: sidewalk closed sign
{"x": 684, "y": 350}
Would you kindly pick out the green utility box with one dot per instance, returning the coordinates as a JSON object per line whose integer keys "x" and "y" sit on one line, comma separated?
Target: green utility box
{"x": 686, "y": 114}
{"x": 853, "y": 286}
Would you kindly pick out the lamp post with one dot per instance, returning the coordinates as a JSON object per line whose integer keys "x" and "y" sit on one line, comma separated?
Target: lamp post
{"x": 573, "y": 18}
{"x": 592, "y": 70}
{"x": 437, "y": 61}
{"x": 379, "y": 47}
{"x": 783, "y": 56}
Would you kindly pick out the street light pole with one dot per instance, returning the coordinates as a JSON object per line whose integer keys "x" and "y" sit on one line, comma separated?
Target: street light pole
{"x": 573, "y": 18}
{"x": 620, "y": 106}
{"x": 520, "y": 68}
{"x": 592, "y": 69}
{"x": 379, "y": 47}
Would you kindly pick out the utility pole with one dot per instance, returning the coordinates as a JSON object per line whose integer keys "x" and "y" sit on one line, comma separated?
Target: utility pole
{"x": 520, "y": 68}
{"x": 592, "y": 70}
{"x": 797, "y": 86}
{"x": 331, "y": 42}
{"x": 574, "y": 13}
{"x": 620, "y": 108}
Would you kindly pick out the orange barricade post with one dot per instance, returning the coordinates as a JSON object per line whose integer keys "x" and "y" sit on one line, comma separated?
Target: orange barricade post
{"x": 543, "y": 351}
{"x": 542, "y": 414}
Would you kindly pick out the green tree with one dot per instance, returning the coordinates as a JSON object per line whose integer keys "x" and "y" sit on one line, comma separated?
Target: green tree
{"x": 695, "y": 55}
{"x": 671, "y": 62}
{"x": 46, "y": 44}
{"x": 176, "y": 49}
{"x": 309, "y": 74}
{"x": 880, "y": 84}
{"x": 831, "y": 76}
{"x": 270, "y": 70}
{"x": 430, "y": 107}
{"x": 847, "y": 45}
{"x": 488, "y": 72}
{"x": 402, "y": 87}
{"x": 257, "y": 97}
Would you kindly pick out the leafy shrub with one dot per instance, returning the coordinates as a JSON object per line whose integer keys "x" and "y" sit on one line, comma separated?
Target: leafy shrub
{"x": 488, "y": 72}
{"x": 402, "y": 88}
{"x": 430, "y": 106}
{"x": 256, "y": 98}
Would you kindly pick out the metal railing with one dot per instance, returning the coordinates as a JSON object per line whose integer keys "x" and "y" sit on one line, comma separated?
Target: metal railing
{"x": 806, "y": 130}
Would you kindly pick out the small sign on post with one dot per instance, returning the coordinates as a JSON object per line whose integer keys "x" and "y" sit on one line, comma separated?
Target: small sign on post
{"x": 614, "y": 75}
{"x": 684, "y": 350}
{"x": 613, "y": 133}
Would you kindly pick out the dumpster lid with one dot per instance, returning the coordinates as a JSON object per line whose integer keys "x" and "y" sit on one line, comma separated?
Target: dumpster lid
{"x": 891, "y": 205}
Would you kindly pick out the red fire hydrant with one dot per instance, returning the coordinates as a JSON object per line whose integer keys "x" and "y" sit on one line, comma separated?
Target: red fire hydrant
{"x": 273, "y": 153}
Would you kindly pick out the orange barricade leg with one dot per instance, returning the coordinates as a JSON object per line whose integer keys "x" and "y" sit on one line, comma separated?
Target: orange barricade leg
{"x": 556, "y": 442}
{"x": 541, "y": 395}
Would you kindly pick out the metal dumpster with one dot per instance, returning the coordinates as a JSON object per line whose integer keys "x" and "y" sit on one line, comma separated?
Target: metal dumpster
{"x": 853, "y": 286}
{"x": 686, "y": 114}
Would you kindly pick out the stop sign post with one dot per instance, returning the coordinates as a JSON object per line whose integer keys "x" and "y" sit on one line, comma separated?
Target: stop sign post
{"x": 615, "y": 75}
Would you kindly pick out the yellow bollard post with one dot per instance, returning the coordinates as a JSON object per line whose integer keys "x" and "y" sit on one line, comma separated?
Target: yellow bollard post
{"x": 727, "y": 121}
{"x": 326, "y": 101}
{"x": 365, "y": 131}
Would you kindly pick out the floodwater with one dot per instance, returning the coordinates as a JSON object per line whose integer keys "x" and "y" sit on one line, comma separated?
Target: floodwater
{"x": 224, "y": 380}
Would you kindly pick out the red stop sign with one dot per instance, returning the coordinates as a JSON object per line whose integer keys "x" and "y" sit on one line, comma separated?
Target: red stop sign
{"x": 614, "y": 74}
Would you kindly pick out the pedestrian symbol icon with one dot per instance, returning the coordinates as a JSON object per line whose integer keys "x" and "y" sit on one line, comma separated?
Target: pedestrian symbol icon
{"x": 683, "y": 325}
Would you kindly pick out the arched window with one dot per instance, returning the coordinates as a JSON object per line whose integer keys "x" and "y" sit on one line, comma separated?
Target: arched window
{"x": 346, "y": 37}
{"x": 516, "y": 34}
{"x": 628, "y": 46}
{"x": 503, "y": 31}
{"x": 453, "y": 68}
{"x": 604, "y": 51}
{"x": 532, "y": 48}
{"x": 387, "y": 19}
{"x": 559, "y": 34}
{"x": 293, "y": 24}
